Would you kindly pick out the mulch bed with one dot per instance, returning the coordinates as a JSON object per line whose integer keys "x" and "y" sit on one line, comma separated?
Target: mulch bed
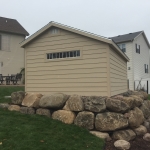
{"x": 137, "y": 144}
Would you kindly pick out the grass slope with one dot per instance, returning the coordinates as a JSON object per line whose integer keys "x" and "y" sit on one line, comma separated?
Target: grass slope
{"x": 32, "y": 132}
{"x": 7, "y": 90}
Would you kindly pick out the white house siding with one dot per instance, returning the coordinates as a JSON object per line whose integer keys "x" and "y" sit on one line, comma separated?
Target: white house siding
{"x": 12, "y": 60}
{"x": 140, "y": 59}
{"x": 130, "y": 73}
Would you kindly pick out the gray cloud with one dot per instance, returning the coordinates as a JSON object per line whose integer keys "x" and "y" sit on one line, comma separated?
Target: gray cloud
{"x": 102, "y": 17}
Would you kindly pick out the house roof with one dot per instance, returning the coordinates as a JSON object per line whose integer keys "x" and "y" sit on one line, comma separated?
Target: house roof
{"x": 12, "y": 26}
{"x": 84, "y": 33}
{"x": 129, "y": 37}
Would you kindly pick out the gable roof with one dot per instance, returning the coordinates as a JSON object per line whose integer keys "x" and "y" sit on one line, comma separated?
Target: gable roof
{"x": 129, "y": 37}
{"x": 12, "y": 26}
{"x": 84, "y": 33}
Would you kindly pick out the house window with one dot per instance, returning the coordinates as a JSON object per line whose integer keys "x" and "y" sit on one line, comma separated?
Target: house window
{"x": 122, "y": 47}
{"x": 5, "y": 42}
{"x": 137, "y": 47}
{"x": 54, "y": 31}
{"x": 61, "y": 55}
{"x": 146, "y": 68}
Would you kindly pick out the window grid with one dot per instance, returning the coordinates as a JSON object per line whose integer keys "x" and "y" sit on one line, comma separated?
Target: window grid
{"x": 61, "y": 55}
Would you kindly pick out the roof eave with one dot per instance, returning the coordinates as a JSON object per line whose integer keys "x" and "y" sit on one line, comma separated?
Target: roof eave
{"x": 25, "y": 34}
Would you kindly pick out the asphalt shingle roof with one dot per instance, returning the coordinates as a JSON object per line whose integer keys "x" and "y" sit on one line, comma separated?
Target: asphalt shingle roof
{"x": 125, "y": 37}
{"x": 12, "y": 26}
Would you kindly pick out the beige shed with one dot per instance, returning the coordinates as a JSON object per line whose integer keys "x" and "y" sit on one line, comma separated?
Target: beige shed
{"x": 62, "y": 59}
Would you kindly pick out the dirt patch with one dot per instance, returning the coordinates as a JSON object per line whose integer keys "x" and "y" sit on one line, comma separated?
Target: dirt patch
{"x": 137, "y": 144}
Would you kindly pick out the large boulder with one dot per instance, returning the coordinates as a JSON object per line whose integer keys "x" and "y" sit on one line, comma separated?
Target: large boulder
{"x": 32, "y": 100}
{"x": 74, "y": 103}
{"x": 122, "y": 145}
{"x": 44, "y": 112}
{"x": 64, "y": 116}
{"x": 101, "y": 135}
{"x": 110, "y": 121}
{"x": 116, "y": 105}
{"x": 136, "y": 117}
{"x": 27, "y": 110}
{"x": 146, "y": 137}
{"x": 94, "y": 103}
{"x": 141, "y": 130}
{"x": 14, "y": 108}
{"x": 124, "y": 135}
{"x": 54, "y": 101}
{"x": 85, "y": 119}
{"x": 141, "y": 94}
{"x": 146, "y": 108}
{"x": 17, "y": 97}
{"x": 4, "y": 105}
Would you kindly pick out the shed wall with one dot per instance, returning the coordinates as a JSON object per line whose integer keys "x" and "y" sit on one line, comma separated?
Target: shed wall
{"x": 87, "y": 75}
{"x": 118, "y": 73}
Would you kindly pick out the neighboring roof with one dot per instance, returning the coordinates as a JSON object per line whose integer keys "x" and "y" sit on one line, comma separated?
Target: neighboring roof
{"x": 87, "y": 34}
{"x": 129, "y": 37}
{"x": 12, "y": 26}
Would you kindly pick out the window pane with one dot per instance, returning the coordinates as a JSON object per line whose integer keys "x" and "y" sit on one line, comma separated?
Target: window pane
{"x": 64, "y": 54}
{"x": 71, "y": 54}
{"x": 47, "y": 56}
{"x": 54, "y": 55}
{"x": 67, "y": 54}
{"x": 51, "y": 56}
{"x": 57, "y": 55}
{"x": 74, "y": 53}
{"x": 78, "y": 53}
{"x": 60, "y": 55}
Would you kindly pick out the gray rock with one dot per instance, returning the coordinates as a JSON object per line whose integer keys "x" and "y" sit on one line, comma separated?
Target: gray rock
{"x": 14, "y": 108}
{"x": 110, "y": 121}
{"x": 85, "y": 119}
{"x": 4, "y": 105}
{"x": 146, "y": 137}
{"x": 94, "y": 103}
{"x": 146, "y": 108}
{"x": 17, "y": 97}
{"x": 136, "y": 117}
{"x": 117, "y": 105}
{"x": 141, "y": 94}
{"x": 27, "y": 110}
{"x": 54, "y": 101}
{"x": 44, "y": 112}
{"x": 74, "y": 103}
{"x": 101, "y": 135}
{"x": 124, "y": 135}
{"x": 141, "y": 130}
{"x": 122, "y": 145}
{"x": 64, "y": 116}
{"x": 146, "y": 124}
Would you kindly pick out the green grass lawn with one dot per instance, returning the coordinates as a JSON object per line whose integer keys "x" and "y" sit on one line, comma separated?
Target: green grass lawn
{"x": 6, "y": 91}
{"x": 32, "y": 132}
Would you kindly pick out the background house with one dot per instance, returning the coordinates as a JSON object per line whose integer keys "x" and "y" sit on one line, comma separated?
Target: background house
{"x": 62, "y": 59}
{"x": 136, "y": 47}
{"x": 11, "y": 55}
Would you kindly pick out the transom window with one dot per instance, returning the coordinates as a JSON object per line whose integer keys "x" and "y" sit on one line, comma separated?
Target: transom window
{"x": 60, "y": 55}
{"x": 122, "y": 47}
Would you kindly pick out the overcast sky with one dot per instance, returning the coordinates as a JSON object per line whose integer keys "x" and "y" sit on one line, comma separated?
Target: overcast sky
{"x": 103, "y": 17}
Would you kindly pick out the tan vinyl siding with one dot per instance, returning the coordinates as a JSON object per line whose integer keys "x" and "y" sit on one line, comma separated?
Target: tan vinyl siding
{"x": 86, "y": 75}
{"x": 118, "y": 73}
